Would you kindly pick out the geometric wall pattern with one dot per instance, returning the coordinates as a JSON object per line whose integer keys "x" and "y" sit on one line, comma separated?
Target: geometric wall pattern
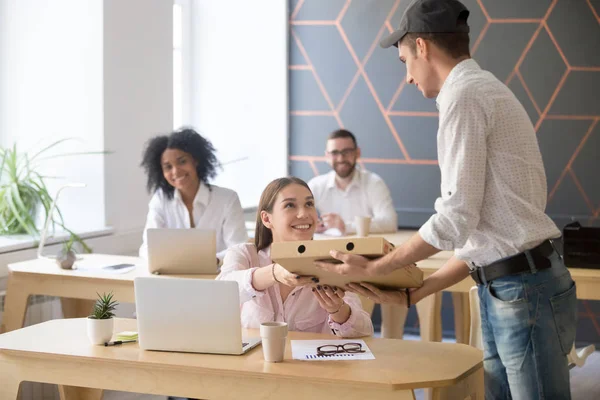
{"x": 546, "y": 51}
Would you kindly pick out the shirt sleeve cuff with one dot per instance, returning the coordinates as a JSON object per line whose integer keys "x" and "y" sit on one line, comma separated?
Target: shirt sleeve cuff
{"x": 431, "y": 236}
{"x": 248, "y": 291}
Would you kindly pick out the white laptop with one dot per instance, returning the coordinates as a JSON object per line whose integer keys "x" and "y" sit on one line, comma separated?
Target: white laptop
{"x": 182, "y": 251}
{"x": 190, "y": 315}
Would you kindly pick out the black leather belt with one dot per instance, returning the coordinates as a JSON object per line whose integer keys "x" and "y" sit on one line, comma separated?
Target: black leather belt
{"x": 515, "y": 264}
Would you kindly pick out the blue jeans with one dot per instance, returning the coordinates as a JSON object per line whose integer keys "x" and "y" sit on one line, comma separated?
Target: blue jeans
{"x": 528, "y": 326}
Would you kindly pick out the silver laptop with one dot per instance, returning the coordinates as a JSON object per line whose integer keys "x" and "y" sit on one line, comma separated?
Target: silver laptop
{"x": 182, "y": 251}
{"x": 190, "y": 315}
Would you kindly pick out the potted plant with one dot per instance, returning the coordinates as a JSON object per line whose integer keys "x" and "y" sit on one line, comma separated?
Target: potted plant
{"x": 23, "y": 191}
{"x": 101, "y": 322}
{"x": 66, "y": 256}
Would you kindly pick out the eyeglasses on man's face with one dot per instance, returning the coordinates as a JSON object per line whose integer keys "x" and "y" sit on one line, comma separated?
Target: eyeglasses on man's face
{"x": 329, "y": 349}
{"x": 343, "y": 152}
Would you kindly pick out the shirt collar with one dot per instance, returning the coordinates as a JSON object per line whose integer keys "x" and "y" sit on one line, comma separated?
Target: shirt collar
{"x": 354, "y": 182}
{"x": 201, "y": 195}
{"x": 457, "y": 72}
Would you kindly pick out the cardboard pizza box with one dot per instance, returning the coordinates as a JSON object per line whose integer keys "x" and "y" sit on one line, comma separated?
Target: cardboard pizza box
{"x": 299, "y": 257}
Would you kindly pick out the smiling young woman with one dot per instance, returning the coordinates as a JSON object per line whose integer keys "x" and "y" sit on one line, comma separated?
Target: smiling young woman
{"x": 268, "y": 292}
{"x": 179, "y": 168}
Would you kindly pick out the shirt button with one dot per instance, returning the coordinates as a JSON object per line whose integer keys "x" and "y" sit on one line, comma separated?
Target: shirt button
{"x": 449, "y": 193}
{"x": 254, "y": 296}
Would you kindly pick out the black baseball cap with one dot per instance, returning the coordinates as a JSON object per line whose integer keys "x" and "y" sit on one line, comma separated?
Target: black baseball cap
{"x": 430, "y": 16}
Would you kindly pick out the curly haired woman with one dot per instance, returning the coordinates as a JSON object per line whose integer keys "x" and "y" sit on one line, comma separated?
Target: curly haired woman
{"x": 179, "y": 167}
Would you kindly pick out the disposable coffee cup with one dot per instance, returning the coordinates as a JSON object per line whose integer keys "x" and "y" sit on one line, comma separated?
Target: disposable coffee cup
{"x": 273, "y": 336}
{"x": 363, "y": 225}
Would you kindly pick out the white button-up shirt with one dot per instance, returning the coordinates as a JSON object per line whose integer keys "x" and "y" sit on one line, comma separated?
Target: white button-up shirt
{"x": 367, "y": 195}
{"x": 218, "y": 208}
{"x": 493, "y": 181}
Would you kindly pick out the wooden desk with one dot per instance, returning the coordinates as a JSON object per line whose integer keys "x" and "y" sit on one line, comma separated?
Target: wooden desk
{"x": 76, "y": 289}
{"x": 59, "y": 352}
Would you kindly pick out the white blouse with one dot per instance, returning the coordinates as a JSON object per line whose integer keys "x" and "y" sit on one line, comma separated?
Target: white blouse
{"x": 215, "y": 208}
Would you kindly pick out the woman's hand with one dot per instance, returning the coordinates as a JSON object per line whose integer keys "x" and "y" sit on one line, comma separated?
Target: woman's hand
{"x": 330, "y": 299}
{"x": 285, "y": 277}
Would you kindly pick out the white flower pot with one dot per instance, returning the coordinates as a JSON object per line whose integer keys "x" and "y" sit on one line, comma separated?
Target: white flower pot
{"x": 100, "y": 331}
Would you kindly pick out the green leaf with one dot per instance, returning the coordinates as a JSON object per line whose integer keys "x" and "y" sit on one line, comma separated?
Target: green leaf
{"x": 104, "y": 306}
{"x": 19, "y": 211}
{"x": 50, "y": 146}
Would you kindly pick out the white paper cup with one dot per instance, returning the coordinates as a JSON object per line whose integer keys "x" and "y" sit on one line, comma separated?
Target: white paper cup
{"x": 273, "y": 336}
{"x": 363, "y": 225}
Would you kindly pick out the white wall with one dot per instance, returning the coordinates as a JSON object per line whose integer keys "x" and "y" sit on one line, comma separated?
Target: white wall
{"x": 239, "y": 89}
{"x": 97, "y": 70}
{"x": 51, "y": 88}
{"x": 138, "y": 100}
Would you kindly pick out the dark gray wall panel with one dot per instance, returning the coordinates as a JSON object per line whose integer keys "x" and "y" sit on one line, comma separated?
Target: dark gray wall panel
{"x": 362, "y": 117}
{"x": 319, "y": 10}
{"x": 309, "y": 96}
{"x": 418, "y": 135}
{"x": 577, "y": 32}
{"x": 502, "y": 46}
{"x": 586, "y": 167}
{"x": 310, "y": 134}
{"x": 516, "y": 8}
{"x": 558, "y": 141}
{"x": 542, "y": 69}
{"x": 580, "y": 95}
{"x": 518, "y": 89}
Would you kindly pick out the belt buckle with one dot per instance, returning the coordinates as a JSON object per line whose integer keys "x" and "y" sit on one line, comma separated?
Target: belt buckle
{"x": 555, "y": 249}
{"x": 475, "y": 274}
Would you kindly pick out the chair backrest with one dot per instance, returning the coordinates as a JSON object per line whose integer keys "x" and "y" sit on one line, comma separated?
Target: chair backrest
{"x": 475, "y": 338}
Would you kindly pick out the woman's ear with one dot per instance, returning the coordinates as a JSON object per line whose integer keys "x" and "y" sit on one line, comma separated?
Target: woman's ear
{"x": 265, "y": 217}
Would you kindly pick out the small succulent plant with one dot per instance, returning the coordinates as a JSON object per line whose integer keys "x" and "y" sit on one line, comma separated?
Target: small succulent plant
{"x": 66, "y": 256}
{"x": 104, "y": 307}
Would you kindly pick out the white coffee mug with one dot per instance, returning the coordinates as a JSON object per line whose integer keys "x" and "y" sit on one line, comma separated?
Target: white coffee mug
{"x": 363, "y": 225}
{"x": 273, "y": 336}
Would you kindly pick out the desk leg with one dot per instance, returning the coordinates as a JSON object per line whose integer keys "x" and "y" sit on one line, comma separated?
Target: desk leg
{"x": 462, "y": 317}
{"x": 76, "y": 308}
{"x": 9, "y": 381}
{"x": 79, "y": 393}
{"x": 430, "y": 323}
{"x": 15, "y": 305}
{"x": 393, "y": 318}
{"x": 430, "y": 317}
{"x": 470, "y": 388}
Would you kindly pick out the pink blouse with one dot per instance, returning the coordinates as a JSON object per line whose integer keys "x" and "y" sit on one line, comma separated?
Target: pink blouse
{"x": 301, "y": 310}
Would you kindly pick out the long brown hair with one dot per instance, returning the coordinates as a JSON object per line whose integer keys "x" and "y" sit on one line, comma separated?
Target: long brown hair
{"x": 263, "y": 237}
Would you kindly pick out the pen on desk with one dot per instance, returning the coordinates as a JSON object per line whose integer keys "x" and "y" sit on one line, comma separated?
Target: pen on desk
{"x": 117, "y": 342}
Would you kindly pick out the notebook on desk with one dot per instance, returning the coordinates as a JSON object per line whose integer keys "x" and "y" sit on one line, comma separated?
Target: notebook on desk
{"x": 190, "y": 315}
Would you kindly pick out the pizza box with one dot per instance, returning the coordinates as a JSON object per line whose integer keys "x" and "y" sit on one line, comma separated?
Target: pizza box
{"x": 299, "y": 257}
